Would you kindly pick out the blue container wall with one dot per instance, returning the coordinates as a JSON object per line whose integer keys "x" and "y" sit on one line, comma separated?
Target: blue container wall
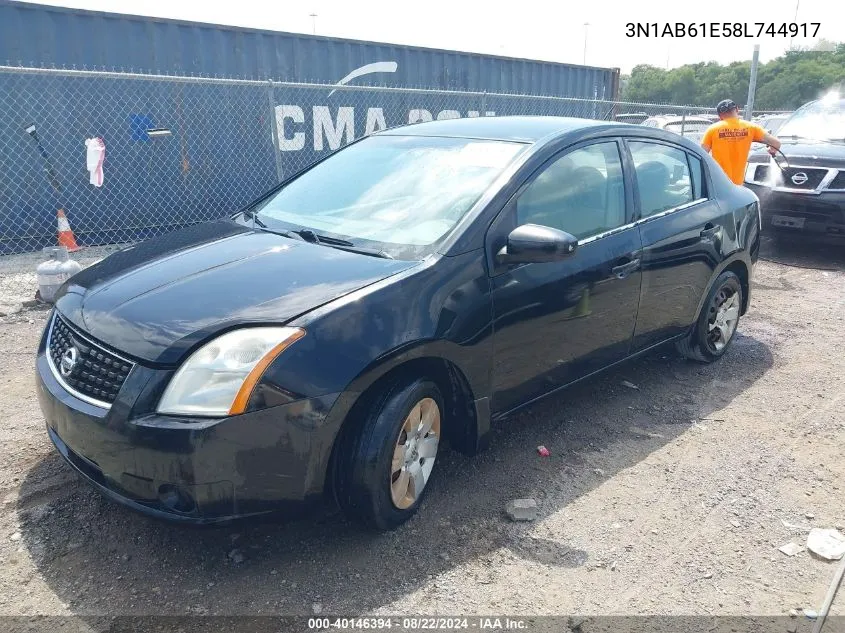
{"x": 37, "y": 35}
{"x": 218, "y": 157}
{"x": 229, "y": 143}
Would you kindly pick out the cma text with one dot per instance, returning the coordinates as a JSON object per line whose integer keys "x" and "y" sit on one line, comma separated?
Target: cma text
{"x": 331, "y": 132}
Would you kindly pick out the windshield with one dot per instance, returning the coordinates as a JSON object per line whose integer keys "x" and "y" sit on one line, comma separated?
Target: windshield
{"x": 397, "y": 193}
{"x": 820, "y": 120}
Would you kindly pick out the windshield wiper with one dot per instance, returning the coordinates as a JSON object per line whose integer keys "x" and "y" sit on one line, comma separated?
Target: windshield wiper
{"x": 372, "y": 252}
{"x": 344, "y": 245}
{"x": 310, "y": 236}
{"x": 253, "y": 215}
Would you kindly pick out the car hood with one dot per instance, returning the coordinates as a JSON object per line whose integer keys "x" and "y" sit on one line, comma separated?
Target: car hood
{"x": 157, "y": 300}
{"x": 814, "y": 154}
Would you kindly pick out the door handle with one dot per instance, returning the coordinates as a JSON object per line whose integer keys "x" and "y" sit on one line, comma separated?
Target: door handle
{"x": 623, "y": 270}
{"x": 710, "y": 230}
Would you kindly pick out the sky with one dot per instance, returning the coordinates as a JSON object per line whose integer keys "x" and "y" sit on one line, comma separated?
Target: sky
{"x": 545, "y": 30}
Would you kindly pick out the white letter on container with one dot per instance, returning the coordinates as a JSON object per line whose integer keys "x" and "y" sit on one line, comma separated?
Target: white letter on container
{"x": 375, "y": 117}
{"x": 334, "y": 132}
{"x": 419, "y": 116}
{"x": 294, "y": 113}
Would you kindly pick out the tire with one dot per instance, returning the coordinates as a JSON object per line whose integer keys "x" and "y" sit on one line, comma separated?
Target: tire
{"x": 379, "y": 457}
{"x": 715, "y": 330}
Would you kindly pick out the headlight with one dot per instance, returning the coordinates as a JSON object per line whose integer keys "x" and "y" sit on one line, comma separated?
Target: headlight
{"x": 218, "y": 379}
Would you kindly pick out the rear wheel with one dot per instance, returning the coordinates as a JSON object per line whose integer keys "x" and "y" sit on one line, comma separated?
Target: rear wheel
{"x": 716, "y": 326}
{"x": 385, "y": 465}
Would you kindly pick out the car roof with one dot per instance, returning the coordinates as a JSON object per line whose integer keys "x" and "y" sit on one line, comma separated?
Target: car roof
{"x": 525, "y": 129}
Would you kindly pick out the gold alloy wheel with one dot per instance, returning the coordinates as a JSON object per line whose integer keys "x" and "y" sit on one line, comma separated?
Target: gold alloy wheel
{"x": 414, "y": 453}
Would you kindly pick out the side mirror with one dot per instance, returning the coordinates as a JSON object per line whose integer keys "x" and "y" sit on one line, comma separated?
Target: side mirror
{"x": 536, "y": 244}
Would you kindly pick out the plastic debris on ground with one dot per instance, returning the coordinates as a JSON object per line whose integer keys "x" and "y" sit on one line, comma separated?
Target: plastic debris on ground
{"x": 826, "y": 543}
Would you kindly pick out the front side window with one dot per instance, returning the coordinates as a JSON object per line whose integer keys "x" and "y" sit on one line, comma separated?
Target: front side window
{"x": 581, "y": 193}
{"x": 663, "y": 177}
{"x": 398, "y": 193}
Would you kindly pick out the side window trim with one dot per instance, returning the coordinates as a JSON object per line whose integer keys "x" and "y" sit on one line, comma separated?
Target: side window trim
{"x": 666, "y": 212}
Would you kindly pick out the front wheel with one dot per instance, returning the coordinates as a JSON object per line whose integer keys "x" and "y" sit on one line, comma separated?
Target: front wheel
{"x": 385, "y": 464}
{"x": 716, "y": 326}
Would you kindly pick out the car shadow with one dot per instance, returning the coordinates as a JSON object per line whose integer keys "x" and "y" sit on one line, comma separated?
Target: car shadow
{"x": 100, "y": 558}
{"x": 795, "y": 249}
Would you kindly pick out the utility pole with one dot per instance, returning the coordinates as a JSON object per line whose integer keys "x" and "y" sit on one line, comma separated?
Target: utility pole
{"x": 752, "y": 85}
{"x": 586, "y": 25}
{"x": 794, "y": 21}
{"x": 314, "y": 22}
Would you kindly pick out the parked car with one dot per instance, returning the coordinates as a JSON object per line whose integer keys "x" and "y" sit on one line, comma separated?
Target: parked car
{"x": 403, "y": 291}
{"x": 771, "y": 123}
{"x": 691, "y": 127}
{"x": 632, "y": 117}
{"x": 806, "y": 191}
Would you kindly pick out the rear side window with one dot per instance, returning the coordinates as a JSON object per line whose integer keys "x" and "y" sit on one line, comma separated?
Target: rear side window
{"x": 663, "y": 177}
{"x": 581, "y": 192}
{"x": 697, "y": 177}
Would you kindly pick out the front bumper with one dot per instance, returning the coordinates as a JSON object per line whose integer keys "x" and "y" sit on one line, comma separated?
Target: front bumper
{"x": 189, "y": 470}
{"x": 820, "y": 214}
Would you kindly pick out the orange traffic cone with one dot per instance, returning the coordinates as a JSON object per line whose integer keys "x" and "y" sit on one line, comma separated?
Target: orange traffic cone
{"x": 66, "y": 237}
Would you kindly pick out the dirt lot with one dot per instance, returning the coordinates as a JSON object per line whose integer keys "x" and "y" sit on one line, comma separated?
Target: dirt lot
{"x": 672, "y": 498}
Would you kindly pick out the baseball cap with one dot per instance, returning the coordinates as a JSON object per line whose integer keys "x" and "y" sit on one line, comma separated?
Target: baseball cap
{"x": 726, "y": 105}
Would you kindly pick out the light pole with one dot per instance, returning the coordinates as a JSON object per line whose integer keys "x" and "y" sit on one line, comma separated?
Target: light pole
{"x": 795, "y": 21}
{"x": 752, "y": 84}
{"x": 314, "y": 22}
{"x": 586, "y": 24}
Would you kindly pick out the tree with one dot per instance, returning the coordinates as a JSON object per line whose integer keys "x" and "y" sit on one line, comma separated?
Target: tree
{"x": 786, "y": 82}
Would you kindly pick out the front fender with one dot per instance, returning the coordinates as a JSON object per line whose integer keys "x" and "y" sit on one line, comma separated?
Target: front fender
{"x": 439, "y": 310}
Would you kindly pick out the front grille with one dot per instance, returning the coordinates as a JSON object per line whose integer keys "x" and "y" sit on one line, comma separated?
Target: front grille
{"x": 839, "y": 181}
{"x": 811, "y": 177}
{"x": 96, "y": 373}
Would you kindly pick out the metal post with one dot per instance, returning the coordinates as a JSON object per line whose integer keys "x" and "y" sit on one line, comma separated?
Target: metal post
{"x": 752, "y": 85}
{"x": 795, "y": 20}
{"x": 483, "y": 104}
{"x": 683, "y": 121}
{"x": 586, "y": 25}
{"x": 274, "y": 131}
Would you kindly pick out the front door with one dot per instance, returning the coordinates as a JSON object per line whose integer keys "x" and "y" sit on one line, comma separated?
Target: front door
{"x": 557, "y": 322}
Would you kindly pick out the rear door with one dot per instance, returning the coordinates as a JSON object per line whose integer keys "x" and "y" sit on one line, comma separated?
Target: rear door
{"x": 556, "y": 322}
{"x": 681, "y": 228}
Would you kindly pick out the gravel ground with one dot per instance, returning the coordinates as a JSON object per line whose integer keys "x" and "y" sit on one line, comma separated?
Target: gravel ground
{"x": 671, "y": 498}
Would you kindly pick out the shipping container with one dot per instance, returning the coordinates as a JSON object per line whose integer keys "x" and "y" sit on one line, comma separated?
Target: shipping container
{"x": 40, "y": 35}
{"x": 222, "y": 142}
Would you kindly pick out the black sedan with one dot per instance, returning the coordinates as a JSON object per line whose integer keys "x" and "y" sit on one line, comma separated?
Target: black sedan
{"x": 803, "y": 191}
{"x": 403, "y": 292}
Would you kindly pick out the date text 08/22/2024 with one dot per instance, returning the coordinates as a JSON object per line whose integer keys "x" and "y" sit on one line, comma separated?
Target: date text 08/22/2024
{"x": 722, "y": 29}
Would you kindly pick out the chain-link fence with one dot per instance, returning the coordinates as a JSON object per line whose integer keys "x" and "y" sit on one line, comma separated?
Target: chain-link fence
{"x": 182, "y": 150}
